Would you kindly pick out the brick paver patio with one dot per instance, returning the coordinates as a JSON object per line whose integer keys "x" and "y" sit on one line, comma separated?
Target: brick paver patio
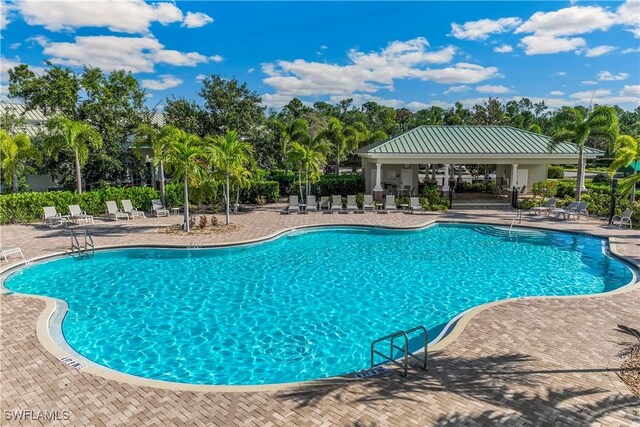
{"x": 528, "y": 362}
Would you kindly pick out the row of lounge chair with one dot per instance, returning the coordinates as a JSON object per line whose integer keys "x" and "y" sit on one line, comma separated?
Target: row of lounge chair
{"x": 77, "y": 215}
{"x": 335, "y": 204}
{"x": 574, "y": 209}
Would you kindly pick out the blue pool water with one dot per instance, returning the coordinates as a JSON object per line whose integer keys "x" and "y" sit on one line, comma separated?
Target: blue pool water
{"x": 304, "y": 306}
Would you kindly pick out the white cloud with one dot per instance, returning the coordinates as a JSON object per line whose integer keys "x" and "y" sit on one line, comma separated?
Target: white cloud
{"x": 597, "y": 51}
{"x": 7, "y": 63}
{"x": 216, "y": 58}
{"x": 543, "y": 44}
{"x": 505, "y": 48}
{"x": 492, "y": 89}
{"x": 416, "y": 106}
{"x": 5, "y": 12}
{"x": 631, "y": 50}
{"x": 128, "y": 16}
{"x": 250, "y": 70}
{"x": 196, "y": 20}
{"x": 628, "y": 15}
{"x": 457, "y": 89}
{"x": 275, "y": 100}
{"x": 559, "y": 73}
{"x": 608, "y": 76}
{"x": 631, "y": 90}
{"x": 568, "y": 21}
{"x": 556, "y": 93}
{"x": 359, "y": 99}
{"x": 166, "y": 81}
{"x": 15, "y": 46}
{"x": 370, "y": 72}
{"x": 135, "y": 54}
{"x": 588, "y": 83}
{"x": 324, "y": 47}
{"x": 480, "y": 30}
{"x": 626, "y": 95}
{"x": 201, "y": 77}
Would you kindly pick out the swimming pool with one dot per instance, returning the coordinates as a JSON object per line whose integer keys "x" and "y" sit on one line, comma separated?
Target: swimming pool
{"x": 306, "y": 305}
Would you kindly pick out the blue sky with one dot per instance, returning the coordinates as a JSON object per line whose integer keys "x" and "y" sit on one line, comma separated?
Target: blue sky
{"x": 400, "y": 54}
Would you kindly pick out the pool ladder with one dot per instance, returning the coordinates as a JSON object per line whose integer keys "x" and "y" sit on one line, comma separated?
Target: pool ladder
{"x": 88, "y": 242}
{"x": 405, "y": 353}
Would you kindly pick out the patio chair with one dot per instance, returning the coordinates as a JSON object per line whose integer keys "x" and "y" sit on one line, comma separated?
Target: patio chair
{"x": 294, "y": 205}
{"x": 114, "y": 212}
{"x": 352, "y": 205}
{"x": 551, "y": 203}
{"x": 390, "y": 203}
{"x": 368, "y": 203}
{"x": 6, "y": 251}
{"x": 414, "y": 205}
{"x": 557, "y": 211}
{"x": 157, "y": 208}
{"x": 580, "y": 210}
{"x": 625, "y": 218}
{"x": 77, "y": 215}
{"x": 324, "y": 203}
{"x": 127, "y": 206}
{"x": 52, "y": 217}
{"x": 336, "y": 203}
{"x": 312, "y": 205}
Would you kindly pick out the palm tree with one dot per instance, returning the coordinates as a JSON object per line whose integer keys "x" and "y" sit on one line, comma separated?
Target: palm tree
{"x": 159, "y": 140}
{"x": 225, "y": 154}
{"x": 296, "y": 130}
{"x": 627, "y": 152}
{"x": 240, "y": 178}
{"x": 185, "y": 157}
{"x": 308, "y": 160}
{"x": 575, "y": 127}
{"x": 77, "y": 136}
{"x": 15, "y": 151}
{"x": 335, "y": 136}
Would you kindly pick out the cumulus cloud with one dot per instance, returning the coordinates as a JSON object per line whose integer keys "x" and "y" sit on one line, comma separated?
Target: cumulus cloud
{"x": 201, "y": 77}
{"x": 608, "y": 76}
{"x": 135, "y": 54}
{"x": 597, "y": 51}
{"x": 128, "y": 16}
{"x": 480, "y": 30}
{"x": 457, "y": 89}
{"x": 556, "y": 93}
{"x": 5, "y": 11}
{"x": 165, "y": 81}
{"x": 492, "y": 89}
{"x": 505, "y": 48}
{"x": 196, "y": 20}
{"x": 628, "y": 15}
{"x": 588, "y": 83}
{"x": 7, "y": 63}
{"x": 372, "y": 71}
{"x": 216, "y": 58}
{"x": 539, "y": 44}
{"x": 626, "y": 95}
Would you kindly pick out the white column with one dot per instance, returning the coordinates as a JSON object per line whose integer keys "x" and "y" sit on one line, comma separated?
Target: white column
{"x": 514, "y": 175}
{"x": 378, "y": 186}
{"x": 445, "y": 185}
{"x": 583, "y": 189}
{"x": 459, "y": 173}
{"x": 433, "y": 171}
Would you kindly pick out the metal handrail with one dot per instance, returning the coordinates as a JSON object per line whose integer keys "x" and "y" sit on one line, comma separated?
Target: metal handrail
{"x": 404, "y": 349}
{"x": 88, "y": 242}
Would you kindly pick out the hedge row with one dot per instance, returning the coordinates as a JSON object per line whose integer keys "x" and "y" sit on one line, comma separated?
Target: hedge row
{"x": 338, "y": 184}
{"x": 26, "y": 207}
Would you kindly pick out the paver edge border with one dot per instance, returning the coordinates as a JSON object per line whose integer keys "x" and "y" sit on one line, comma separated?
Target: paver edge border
{"x": 49, "y": 323}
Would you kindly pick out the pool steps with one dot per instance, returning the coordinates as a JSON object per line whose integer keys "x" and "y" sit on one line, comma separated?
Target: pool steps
{"x": 405, "y": 353}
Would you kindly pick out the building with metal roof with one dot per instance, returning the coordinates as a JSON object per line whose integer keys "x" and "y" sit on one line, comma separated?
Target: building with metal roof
{"x": 521, "y": 157}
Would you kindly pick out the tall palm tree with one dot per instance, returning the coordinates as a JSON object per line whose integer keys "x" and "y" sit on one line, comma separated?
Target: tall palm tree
{"x": 575, "y": 127}
{"x": 159, "y": 140}
{"x": 240, "y": 178}
{"x": 185, "y": 157}
{"x": 225, "y": 153}
{"x": 66, "y": 134}
{"x": 627, "y": 152}
{"x": 296, "y": 130}
{"x": 15, "y": 150}
{"x": 308, "y": 160}
{"x": 334, "y": 134}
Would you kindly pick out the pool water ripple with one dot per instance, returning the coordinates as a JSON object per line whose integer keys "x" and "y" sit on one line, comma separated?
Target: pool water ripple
{"x": 301, "y": 307}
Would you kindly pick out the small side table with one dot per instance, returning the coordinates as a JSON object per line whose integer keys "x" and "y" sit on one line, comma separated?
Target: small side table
{"x": 175, "y": 211}
{"x": 379, "y": 207}
{"x": 303, "y": 207}
{"x": 404, "y": 207}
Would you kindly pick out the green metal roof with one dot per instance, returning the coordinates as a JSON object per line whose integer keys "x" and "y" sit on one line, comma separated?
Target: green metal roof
{"x": 481, "y": 140}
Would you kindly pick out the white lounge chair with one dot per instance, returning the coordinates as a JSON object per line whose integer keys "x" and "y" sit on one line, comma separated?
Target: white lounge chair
{"x": 324, "y": 203}
{"x": 551, "y": 203}
{"x": 352, "y": 205}
{"x": 294, "y": 205}
{"x": 114, "y": 212}
{"x": 336, "y": 203}
{"x": 414, "y": 205}
{"x": 127, "y": 206}
{"x": 77, "y": 215}
{"x": 558, "y": 211}
{"x": 368, "y": 203}
{"x": 157, "y": 208}
{"x": 390, "y": 203}
{"x": 625, "y": 218}
{"x": 52, "y": 217}
{"x": 312, "y": 205}
{"x": 5, "y": 252}
{"x": 580, "y": 210}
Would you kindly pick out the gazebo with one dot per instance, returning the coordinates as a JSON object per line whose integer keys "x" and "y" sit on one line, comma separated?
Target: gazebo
{"x": 521, "y": 157}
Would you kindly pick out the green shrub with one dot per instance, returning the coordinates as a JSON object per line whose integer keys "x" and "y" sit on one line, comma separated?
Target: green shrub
{"x": 602, "y": 178}
{"x": 260, "y": 191}
{"x": 285, "y": 179}
{"x": 566, "y": 188}
{"x": 545, "y": 189}
{"x": 338, "y": 184}
{"x": 478, "y": 187}
{"x": 432, "y": 200}
{"x": 555, "y": 172}
{"x": 525, "y": 204}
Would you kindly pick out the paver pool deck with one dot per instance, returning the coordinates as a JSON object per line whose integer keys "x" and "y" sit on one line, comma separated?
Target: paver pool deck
{"x": 548, "y": 361}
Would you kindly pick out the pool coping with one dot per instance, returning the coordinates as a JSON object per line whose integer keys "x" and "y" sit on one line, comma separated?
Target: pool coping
{"x": 49, "y": 323}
